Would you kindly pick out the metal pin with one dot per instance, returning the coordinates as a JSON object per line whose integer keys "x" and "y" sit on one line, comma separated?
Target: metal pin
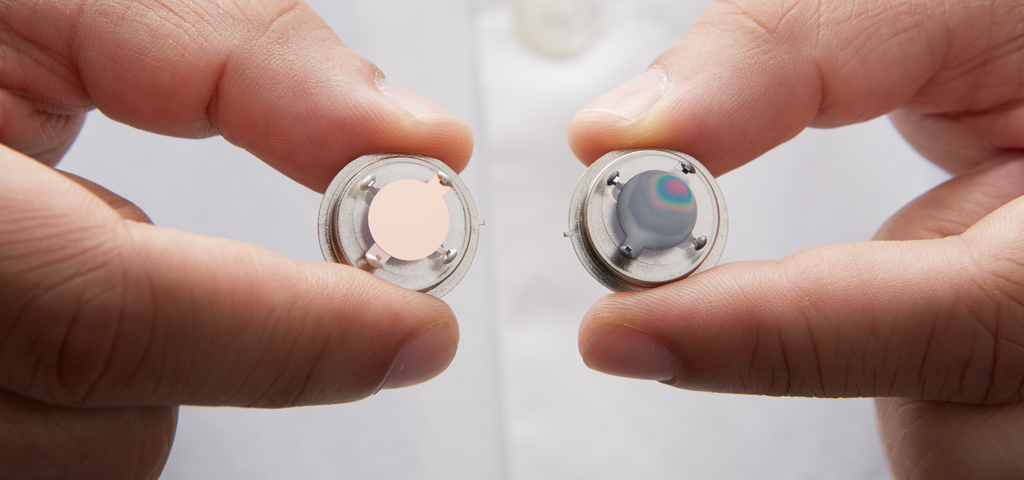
{"x": 627, "y": 252}
{"x": 446, "y": 255}
{"x": 374, "y": 261}
{"x": 613, "y": 181}
{"x": 444, "y": 179}
{"x": 369, "y": 185}
{"x": 687, "y": 167}
{"x": 700, "y": 243}
{"x": 449, "y": 256}
{"x": 376, "y": 256}
{"x": 367, "y": 182}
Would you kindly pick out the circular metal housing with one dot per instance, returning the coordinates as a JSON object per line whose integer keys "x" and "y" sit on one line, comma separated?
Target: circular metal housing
{"x": 598, "y": 237}
{"x": 345, "y": 228}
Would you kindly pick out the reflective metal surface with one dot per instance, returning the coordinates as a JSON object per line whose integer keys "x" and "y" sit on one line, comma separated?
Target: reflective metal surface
{"x": 596, "y": 233}
{"x": 345, "y": 234}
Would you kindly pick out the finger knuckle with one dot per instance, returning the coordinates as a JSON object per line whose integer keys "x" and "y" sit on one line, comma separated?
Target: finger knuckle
{"x": 994, "y": 371}
{"x": 767, "y": 20}
{"x": 60, "y": 336}
{"x": 805, "y": 352}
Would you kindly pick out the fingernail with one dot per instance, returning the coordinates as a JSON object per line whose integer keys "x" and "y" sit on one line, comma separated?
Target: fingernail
{"x": 627, "y": 352}
{"x": 409, "y": 101}
{"x": 633, "y": 98}
{"x": 425, "y": 358}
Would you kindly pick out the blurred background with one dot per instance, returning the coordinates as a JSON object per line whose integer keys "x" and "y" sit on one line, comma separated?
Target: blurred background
{"x": 518, "y": 403}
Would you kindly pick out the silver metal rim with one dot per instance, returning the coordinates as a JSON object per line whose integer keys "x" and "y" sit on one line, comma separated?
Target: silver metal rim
{"x": 621, "y": 275}
{"x": 338, "y": 200}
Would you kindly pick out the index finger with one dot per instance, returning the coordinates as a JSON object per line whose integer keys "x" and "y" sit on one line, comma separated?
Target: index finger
{"x": 268, "y": 76}
{"x": 752, "y": 74}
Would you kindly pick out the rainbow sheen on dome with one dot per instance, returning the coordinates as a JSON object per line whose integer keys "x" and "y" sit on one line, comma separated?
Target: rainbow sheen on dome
{"x": 669, "y": 195}
{"x": 656, "y": 210}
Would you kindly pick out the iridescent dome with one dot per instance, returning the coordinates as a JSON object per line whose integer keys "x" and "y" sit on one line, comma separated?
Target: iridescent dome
{"x": 656, "y": 210}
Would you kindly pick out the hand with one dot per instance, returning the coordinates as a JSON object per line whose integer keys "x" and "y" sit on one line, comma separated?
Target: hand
{"x": 108, "y": 322}
{"x": 935, "y": 318}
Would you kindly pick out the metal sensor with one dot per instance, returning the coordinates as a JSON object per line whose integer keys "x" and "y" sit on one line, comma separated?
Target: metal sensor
{"x": 643, "y": 218}
{"x": 407, "y": 219}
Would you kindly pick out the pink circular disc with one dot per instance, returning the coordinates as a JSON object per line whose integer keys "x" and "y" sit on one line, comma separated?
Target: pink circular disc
{"x": 408, "y": 219}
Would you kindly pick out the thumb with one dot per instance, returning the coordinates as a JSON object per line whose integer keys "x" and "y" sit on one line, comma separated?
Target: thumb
{"x": 932, "y": 319}
{"x": 99, "y": 311}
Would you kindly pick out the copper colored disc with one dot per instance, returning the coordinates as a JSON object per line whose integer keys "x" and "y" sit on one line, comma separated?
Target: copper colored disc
{"x": 409, "y": 219}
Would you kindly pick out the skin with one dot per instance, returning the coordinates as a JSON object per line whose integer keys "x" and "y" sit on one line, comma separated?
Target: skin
{"x": 108, "y": 322}
{"x": 929, "y": 316}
